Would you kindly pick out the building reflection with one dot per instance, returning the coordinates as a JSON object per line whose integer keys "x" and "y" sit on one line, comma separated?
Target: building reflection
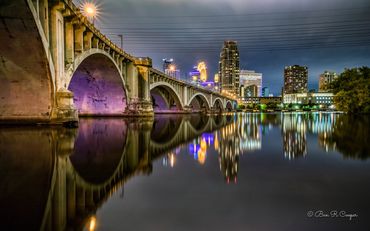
{"x": 294, "y": 136}
{"x": 59, "y": 178}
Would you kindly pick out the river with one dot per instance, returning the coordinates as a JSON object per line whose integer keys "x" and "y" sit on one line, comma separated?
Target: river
{"x": 244, "y": 171}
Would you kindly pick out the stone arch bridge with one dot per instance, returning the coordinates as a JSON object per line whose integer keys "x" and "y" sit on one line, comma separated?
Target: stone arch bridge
{"x": 55, "y": 65}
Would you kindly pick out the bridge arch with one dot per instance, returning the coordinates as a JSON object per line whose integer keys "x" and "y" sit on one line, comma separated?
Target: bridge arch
{"x": 165, "y": 97}
{"x": 199, "y": 102}
{"x": 99, "y": 149}
{"x": 217, "y": 105}
{"x": 97, "y": 84}
{"x": 229, "y": 106}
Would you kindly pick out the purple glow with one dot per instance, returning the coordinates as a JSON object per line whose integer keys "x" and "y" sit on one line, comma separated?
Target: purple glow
{"x": 98, "y": 87}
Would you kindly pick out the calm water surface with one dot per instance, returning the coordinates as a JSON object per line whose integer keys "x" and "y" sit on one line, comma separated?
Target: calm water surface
{"x": 300, "y": 171}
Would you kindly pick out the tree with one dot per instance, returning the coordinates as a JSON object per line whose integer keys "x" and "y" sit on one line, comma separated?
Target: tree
{"x": 352, "y": 90}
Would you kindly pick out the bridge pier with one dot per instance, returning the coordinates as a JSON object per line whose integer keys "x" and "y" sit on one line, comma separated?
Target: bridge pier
{"x": 140, "y": 103}
{"x": 64, "y": 112}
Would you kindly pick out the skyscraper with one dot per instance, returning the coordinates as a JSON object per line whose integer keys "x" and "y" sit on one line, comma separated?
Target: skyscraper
{"x": 169, "y": 68}
{"x": 250, "y": 78}
{"x": 229, "y": 68}
{"x": 202, "y": 68}
{"x": 325, "y": 79}
{"x": 265, "y": 92}
{"x": 166, "y": 64}
{"x": 295, "y": 79}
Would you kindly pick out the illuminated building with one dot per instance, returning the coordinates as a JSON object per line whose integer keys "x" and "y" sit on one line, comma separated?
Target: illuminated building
{"x": 262, "y": 100}
{"x": 202, "y": 68}
{"x": 166, "y": 63}
{"x": 294, "y": 135}
{"x": 170, "y": 68}
{"x": 229, "y": 68}
{"x": 251, "y": 78}
{"x": 195, "y": 76}
{"x": 217, "y": 82}
{"x": 325, "y": 79}
{"x": 208, "y": 85}
{"x": 173, "y": 71}
{"x": 295, "y": 79}
{"x": 265, "y": 92}
{"x": 320, "y": 98}
{"x": 248, "y": 91}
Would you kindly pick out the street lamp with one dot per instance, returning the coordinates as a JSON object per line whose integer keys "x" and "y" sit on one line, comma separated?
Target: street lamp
{"x": 90, "y": 10}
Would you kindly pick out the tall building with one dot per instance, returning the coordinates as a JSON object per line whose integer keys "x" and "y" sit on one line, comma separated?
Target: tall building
{"x": 166, "y": 63}
{"x": 295, "y": 79}
{"x": 250, "y": 78}
{"x": 325, "y": 79}
{"x": 265, "y": 92}
{"x": 229, "y": 68}
{"x": 202, "y": 68}
{"x": 195, "y": 76}
{"x": 169, "y": 68}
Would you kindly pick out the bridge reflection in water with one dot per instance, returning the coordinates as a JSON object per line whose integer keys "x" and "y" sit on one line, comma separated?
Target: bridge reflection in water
{"x": 57, "y": 178}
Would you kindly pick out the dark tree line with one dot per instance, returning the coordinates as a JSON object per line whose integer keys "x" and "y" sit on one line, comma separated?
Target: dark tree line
{"x": 352, "y": 90}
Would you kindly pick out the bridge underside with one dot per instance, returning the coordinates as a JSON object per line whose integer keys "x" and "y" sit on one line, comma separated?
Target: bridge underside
{"x": 199, "y": 104}
{"x": 107, "y": 140}
{"x": 25, "y": 79}
{"x": 165, "y": 100}
{"x": 98, "y": 88}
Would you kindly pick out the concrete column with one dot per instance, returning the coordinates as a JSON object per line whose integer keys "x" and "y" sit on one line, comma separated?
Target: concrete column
{"x": 124, "y": 70}
{"x": 87, "y": 40}
{"x": 131, "y": 81}
{"x": 95, "y": 43}
{"x": 69, "y": 42}
{"x": 57, "y": 42}
{"x": 44, "y": 16}
{"x": 79, "y": 38}
{"x": 143, "y": 81}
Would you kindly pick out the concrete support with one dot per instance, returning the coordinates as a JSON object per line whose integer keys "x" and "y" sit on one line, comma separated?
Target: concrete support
{"x": 95, "y": 43}
{"x": 65, "y": 111}
{"x": 87, "y": 40}
{"x": 57, "y": 43}
{"x": 79, "y": 38}
{"x": 69, "y": 43}
{"x": 44, "y": 16}
{"x": 140, "y": 103}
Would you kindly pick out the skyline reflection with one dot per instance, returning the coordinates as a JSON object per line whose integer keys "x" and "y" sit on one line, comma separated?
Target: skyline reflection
{"x": 90, "y": 164}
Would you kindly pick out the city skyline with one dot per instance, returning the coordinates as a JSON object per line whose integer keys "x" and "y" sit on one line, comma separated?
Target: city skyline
{"x": 321, "y": 36}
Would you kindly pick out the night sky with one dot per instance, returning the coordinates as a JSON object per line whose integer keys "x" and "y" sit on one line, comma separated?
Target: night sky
{"x": 271, "y": 34}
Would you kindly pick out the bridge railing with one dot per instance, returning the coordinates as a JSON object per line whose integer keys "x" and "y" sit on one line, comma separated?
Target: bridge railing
{"x": 96, "y": 31}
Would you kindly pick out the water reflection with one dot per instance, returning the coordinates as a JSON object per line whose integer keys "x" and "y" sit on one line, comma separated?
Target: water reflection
{"x": 349, "y": 135}
{"x": 57, "y": 178}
